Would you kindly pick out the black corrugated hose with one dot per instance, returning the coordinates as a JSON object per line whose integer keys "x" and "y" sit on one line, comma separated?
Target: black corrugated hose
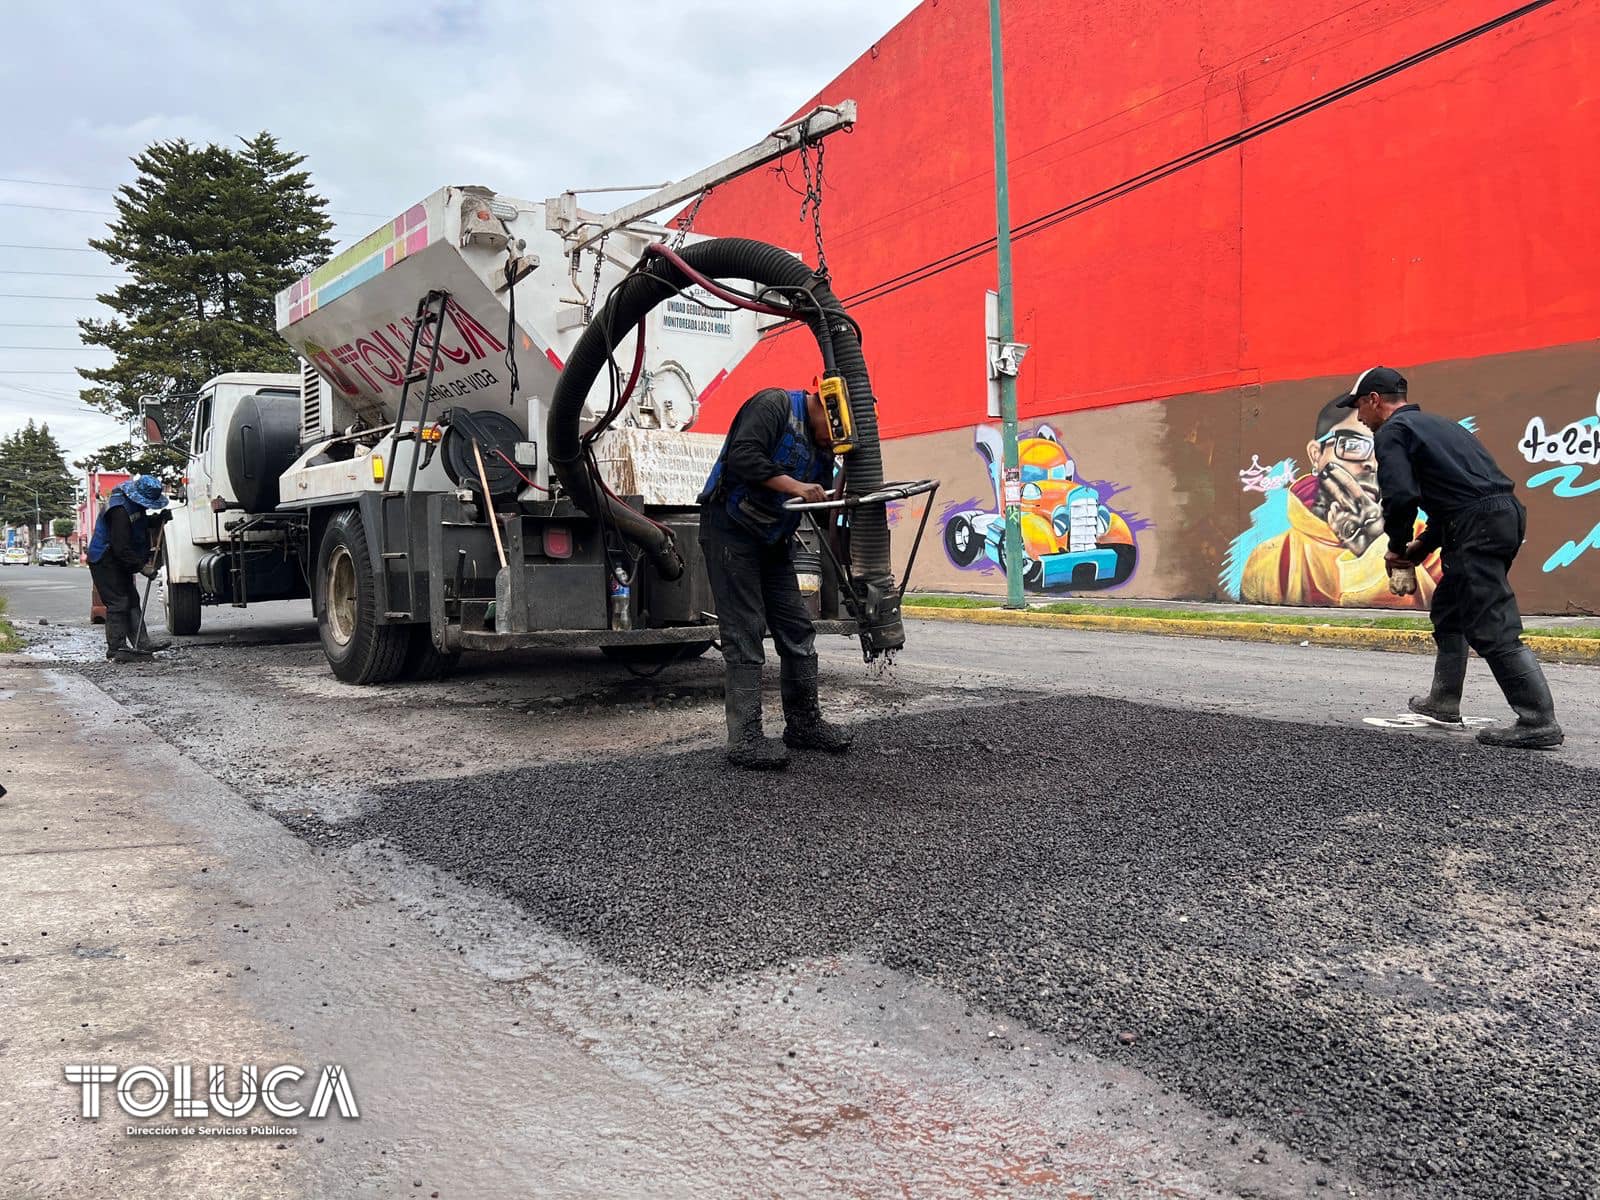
{"x": 655, "y": 280}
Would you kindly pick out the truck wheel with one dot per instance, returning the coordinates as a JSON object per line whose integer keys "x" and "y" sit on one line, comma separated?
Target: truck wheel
{"x": 423, "y": 659}
{"x": 183, "y": 609}
{"x": 359, "y": 649}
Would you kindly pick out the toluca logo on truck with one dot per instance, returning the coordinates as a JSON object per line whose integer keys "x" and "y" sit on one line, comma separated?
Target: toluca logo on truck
{"x": 376, "y": 360}
{"x": 144, "y": 1091}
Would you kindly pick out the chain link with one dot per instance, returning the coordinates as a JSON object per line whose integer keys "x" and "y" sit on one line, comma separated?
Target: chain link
{"x": 811, "y": 203}
{"x": 594, "y": 288}
{"x": 685, "y": 226}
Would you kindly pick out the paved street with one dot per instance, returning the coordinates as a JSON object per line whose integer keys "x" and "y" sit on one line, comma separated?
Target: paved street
{"x": 1098, "y": 915}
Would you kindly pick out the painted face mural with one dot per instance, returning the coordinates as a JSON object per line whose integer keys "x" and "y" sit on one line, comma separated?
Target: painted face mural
{"x": 1318, "y": 539}
{"x": 1071, "y": 540}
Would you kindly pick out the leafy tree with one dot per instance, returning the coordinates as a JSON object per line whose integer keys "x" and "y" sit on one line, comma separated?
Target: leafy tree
{"x": 62, "y": 526}
{"x": 209, "y": 235}
{"x": 32, "y": 466}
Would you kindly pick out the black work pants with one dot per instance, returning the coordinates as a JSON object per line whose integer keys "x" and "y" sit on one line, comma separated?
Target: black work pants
{"x": 117, "y": 592}
{"x": 1474, "y": 596}
{"x": 755, "y": 588}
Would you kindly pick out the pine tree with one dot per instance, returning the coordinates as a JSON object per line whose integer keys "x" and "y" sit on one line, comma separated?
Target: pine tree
{"x": 35, "y": 484}
{"x": 209, "y": 235}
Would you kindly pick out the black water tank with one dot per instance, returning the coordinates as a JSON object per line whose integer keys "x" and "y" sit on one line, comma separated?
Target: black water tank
{"x": 263, "y": 439}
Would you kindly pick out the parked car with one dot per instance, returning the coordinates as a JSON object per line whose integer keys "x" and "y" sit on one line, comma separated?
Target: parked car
{"x": 15, "y": 556}
{"x": 53, "y": 554}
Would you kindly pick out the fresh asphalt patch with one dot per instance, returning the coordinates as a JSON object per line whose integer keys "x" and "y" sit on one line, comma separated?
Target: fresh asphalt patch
{"x": 1378, "y": 947}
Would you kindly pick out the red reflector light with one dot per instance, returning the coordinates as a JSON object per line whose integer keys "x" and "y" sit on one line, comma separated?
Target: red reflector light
{"x": 558, "y": 541}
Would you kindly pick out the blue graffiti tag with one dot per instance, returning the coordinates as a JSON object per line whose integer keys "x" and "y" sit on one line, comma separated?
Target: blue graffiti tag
{"x": 1572, "y": 551}
{"x": 1268, "y": 520}
{"x": 1565, "y": 478}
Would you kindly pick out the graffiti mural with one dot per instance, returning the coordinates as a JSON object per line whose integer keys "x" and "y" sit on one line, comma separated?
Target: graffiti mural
{"x": 1071, "y": 538}
{"x": 1571, "y": 449}
{"x": 1319, "y": 540}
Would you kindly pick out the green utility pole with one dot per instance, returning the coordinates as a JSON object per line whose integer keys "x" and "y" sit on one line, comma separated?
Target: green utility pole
{"x": 1011, "y": 475}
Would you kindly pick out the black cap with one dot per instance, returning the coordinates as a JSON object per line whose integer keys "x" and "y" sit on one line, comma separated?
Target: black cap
{"x": 1375, "y": 379}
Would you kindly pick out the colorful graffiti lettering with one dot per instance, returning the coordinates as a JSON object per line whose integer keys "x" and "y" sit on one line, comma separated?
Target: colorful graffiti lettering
{"x": 1574, "y": 446}
{"x": 1072, "y": 540}
{"x": 1319, "y": 540}
{"x": 1256, "y": 478}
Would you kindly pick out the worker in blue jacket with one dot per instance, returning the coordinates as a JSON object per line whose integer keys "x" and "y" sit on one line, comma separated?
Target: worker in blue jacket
{"x": 779, "y": 447}
{"x": 119, "y": 550}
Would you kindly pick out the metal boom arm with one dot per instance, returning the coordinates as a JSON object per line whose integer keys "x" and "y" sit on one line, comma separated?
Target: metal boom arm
{"x": 582, "y": 228}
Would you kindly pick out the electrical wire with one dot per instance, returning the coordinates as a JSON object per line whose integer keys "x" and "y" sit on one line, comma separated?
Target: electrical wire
{"x": 1048, "y": 220}
{"x": 518, "y": 470}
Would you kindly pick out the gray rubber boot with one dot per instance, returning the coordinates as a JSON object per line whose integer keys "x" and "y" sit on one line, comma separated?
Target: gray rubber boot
{"x": 119, "y": 640}
{"x": 803, "y": 726}
{"x": 1522, "y": 680}
{"x": 747, "y": 746}
{"x": 1443, "y": 701}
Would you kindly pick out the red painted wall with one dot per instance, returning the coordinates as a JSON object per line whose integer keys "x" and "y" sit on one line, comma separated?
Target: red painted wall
{"x": 1445, "y": 213}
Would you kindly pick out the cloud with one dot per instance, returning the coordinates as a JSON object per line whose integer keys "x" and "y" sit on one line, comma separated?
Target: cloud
{"x": 388, "y": 102}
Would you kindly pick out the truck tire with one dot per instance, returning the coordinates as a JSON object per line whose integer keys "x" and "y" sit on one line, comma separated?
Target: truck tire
{"x": 358, "y": 648}
{"x": 423, "y": 660}
{"x": 183, "y": 609}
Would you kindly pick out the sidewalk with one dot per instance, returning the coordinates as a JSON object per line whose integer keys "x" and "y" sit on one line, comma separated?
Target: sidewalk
{"x": 1568, "y": 638}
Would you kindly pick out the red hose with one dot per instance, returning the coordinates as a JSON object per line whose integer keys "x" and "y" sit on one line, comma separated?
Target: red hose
{"x": 712, "y": 286}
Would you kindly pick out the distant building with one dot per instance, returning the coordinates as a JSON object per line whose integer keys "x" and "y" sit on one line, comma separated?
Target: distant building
{"x": 98, "y": 485}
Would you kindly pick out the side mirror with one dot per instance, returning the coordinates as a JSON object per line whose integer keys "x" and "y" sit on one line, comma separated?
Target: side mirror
{"x": 152, "y": 432}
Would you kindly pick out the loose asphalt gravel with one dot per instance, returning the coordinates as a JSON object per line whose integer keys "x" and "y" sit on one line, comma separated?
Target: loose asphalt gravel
{"x": 1374, "y": 946}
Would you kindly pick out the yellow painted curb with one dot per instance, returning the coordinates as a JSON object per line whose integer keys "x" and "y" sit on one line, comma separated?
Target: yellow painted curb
{"x": 1413, "y": 641}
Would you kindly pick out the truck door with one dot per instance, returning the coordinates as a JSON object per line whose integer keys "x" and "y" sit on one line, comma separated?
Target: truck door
{"x": 203, "y": 471}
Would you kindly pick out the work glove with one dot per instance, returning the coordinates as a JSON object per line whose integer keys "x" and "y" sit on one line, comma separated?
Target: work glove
{"x": 149, "y": 570}
{"x": 1403, "y": 579}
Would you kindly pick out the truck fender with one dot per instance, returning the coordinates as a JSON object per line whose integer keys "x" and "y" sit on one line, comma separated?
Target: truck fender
{"x": 182, "y": 554}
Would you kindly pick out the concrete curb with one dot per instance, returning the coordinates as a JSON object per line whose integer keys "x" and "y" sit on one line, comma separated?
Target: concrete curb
{"x": 1408, "y": 641}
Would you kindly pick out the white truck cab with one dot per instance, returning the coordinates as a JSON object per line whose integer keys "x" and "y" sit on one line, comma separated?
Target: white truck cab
{"x": 213, "y": 505}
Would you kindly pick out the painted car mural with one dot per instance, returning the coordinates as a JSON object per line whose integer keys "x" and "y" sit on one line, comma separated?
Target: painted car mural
{"x": 1071, "y": 541}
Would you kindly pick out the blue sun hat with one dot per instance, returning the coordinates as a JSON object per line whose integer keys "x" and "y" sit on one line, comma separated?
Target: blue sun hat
{"x": 145, "y": 491}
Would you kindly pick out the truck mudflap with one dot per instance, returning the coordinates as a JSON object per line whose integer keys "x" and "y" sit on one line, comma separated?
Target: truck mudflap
{"x": 457, "y": 638}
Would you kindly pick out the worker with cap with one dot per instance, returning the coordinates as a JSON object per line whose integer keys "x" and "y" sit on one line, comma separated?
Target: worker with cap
{"x": 1432, "y": 462}
{"x": 120, "y": 549}
{"x": 780, "y": 447}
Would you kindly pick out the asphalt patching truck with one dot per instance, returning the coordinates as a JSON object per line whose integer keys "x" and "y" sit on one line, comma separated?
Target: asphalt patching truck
{"x": 491, "y": 445}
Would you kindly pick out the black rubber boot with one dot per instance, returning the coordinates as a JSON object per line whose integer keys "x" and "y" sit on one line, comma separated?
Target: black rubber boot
{"x": 1443, "y": 701}
{"x": 803, "y": 726}
{"x": 1522, "y": 680}
{"x": 747, "y": 747}
{"x": 126, "y": 654}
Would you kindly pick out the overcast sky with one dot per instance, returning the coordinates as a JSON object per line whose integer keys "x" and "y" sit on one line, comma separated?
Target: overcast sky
{"x": 387, "y": 101}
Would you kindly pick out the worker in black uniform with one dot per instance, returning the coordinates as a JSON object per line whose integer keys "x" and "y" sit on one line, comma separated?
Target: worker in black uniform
{"x": 779, "y": 447}
{"x": 1432, "y": 462}
{"x": 119, "y": 550}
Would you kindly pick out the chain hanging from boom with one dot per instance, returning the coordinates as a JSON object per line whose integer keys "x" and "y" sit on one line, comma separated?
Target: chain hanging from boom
{"x": 687, "y": 224}
{"x": 811, "y": 203}
{"x": 594, "y": 287}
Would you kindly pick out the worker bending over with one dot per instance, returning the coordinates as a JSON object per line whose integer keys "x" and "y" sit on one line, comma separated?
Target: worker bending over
{"x": 120, "y": 549}
{"x": 1433, "y": 462}
{"x": 779, "y": 447}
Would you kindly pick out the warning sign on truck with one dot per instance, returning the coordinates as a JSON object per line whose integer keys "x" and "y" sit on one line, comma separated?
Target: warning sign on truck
{"x": 694, "y": 312}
